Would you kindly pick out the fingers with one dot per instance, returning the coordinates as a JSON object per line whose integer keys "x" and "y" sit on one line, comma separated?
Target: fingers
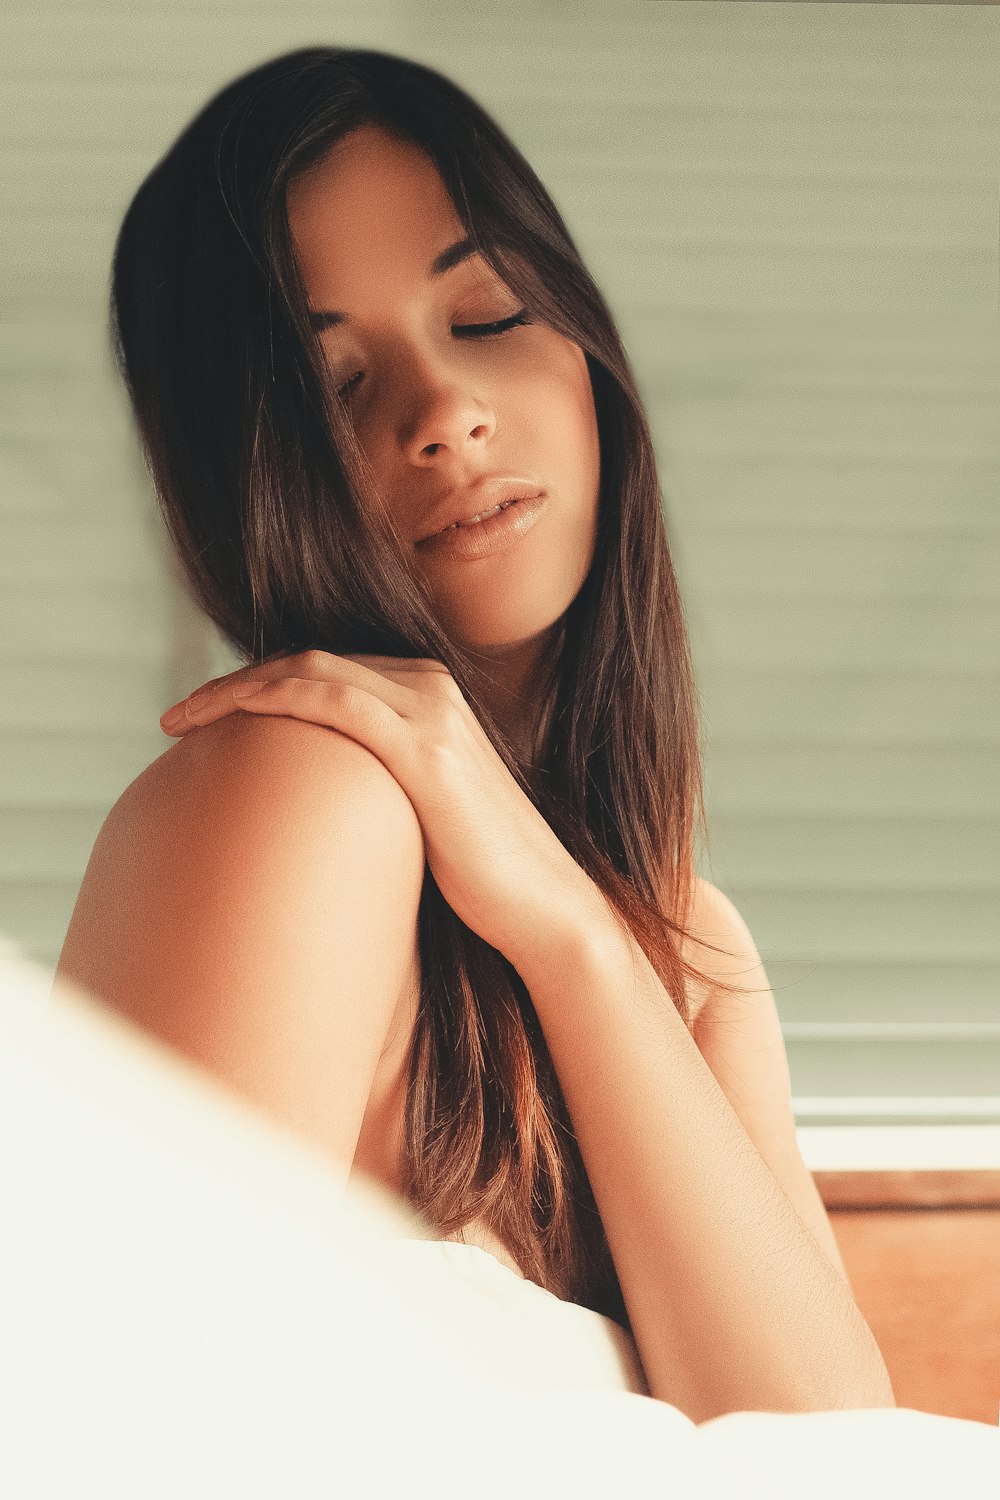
{"x": 221, "y": 695}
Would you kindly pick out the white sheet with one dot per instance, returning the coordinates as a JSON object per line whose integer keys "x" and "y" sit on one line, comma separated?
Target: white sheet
{"x": 194, "y": 1306}
{"x": 524, "y": 1337}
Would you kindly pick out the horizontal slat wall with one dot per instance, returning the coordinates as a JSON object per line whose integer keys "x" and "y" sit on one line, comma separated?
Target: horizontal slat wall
{"x": 97, "y": 635}
{"x": 793, "y": 212}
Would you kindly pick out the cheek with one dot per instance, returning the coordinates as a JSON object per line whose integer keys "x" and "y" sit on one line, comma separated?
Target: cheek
{"x": 590, "y": 444}
{"x": 562, "y": 411}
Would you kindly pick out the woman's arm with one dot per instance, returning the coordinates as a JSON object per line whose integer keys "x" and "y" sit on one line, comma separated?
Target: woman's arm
{"x": 733, "y": 1303}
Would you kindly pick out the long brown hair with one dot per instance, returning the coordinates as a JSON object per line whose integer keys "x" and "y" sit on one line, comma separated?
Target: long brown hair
{"x": 264, "y": 493}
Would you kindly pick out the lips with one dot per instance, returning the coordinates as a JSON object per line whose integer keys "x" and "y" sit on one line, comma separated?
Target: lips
{"x": 486, "y": 494}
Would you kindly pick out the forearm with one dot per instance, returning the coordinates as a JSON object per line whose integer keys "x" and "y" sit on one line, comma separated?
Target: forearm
{"x": 733, "y": 1304}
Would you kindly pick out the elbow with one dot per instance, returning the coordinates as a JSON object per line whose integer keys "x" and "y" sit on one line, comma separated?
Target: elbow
{"x": 866, "y": 1390}
{"x": 877, "y": 1390}
{"x": 873, "y": 1386}
{"x": 862, "y": 1390}
{"x": 867, "y": 1397}
{"x": 856, "y": 1378}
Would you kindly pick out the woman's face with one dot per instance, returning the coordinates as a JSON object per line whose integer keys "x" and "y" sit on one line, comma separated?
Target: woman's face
{"x": 434, "y": 409}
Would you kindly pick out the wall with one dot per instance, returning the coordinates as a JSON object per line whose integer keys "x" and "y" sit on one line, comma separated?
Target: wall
{"x": 792, "y": 209}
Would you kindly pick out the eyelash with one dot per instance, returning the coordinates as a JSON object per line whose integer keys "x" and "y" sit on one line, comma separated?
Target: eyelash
{"x": 469, "y": 330}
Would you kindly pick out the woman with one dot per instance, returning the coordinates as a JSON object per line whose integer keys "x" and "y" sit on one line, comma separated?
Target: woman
{"x": 427, "y": 894}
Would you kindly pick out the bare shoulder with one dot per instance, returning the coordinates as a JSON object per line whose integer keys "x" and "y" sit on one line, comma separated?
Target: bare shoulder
{"x": 251, "y": 899}
{"x": 717, "y": 921}
{"x": 720, "y": 945}
{"x": 247, "y": 812}
{"x": 266, "y": 757}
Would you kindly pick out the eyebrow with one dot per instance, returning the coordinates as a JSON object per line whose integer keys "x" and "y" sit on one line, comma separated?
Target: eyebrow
{"x": 453, "y": 256}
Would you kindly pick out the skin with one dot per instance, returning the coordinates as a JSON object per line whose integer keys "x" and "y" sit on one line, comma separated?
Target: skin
{"x": 434, "y": 410}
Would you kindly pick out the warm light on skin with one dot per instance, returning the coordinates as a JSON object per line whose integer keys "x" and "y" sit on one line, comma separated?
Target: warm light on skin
{"x": 435, "y": 410}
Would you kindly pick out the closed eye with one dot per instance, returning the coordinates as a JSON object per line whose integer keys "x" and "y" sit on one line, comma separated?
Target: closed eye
{"x": 464, "y": 330}
{"x": 484, "y": 330}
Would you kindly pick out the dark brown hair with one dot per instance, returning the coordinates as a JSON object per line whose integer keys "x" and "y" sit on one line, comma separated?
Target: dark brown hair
{"x": 264, "y": 493}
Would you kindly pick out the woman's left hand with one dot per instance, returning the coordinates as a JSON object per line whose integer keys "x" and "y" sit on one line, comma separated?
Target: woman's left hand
{"x": 495, "y": 859}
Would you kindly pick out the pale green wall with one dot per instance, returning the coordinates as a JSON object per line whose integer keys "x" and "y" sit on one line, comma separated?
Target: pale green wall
{"x": 793, "y": 211}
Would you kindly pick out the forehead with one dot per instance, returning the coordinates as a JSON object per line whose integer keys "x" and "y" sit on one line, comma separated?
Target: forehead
{"x": 374, "y": 209}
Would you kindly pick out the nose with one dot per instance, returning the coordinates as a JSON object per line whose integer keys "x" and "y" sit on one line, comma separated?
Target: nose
{"x": 444, "y": 413}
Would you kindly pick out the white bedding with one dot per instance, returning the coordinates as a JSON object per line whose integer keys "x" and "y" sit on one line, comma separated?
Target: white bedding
{"x": 194, "y": 1305}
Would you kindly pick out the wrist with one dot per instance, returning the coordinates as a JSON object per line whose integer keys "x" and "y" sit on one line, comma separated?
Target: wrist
{"x": 580, "y": 929}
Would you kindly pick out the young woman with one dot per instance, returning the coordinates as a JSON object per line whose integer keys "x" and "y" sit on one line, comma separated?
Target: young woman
{"x": 421, "y": 880}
